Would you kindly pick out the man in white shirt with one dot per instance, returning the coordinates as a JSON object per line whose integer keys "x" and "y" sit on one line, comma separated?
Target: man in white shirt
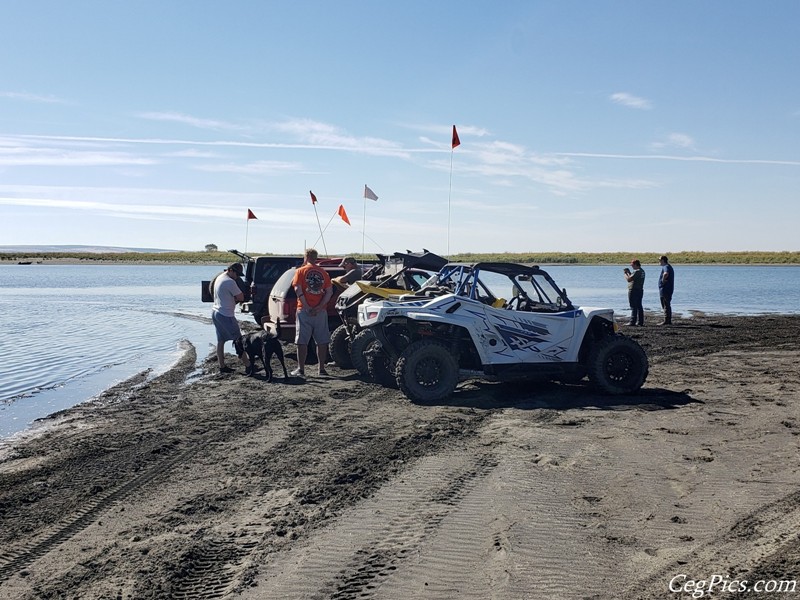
{"x": 223, "y": 313}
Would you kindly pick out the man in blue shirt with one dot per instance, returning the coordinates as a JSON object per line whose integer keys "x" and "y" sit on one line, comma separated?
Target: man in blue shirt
{"x": 666, "y": 285}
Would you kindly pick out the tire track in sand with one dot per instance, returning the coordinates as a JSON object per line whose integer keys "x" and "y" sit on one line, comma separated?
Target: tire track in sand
{"x": 18, "y": 557}
{"x": 354, "y": 557}
{"x": 359, "y": 454}
{"x": 751, "y": 542}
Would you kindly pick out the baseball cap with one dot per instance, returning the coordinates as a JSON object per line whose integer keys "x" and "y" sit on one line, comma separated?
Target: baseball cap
{"x": 347, "y": 259}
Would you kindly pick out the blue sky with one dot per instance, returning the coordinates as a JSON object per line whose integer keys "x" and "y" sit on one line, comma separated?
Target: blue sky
{"x": 584, "y": 126}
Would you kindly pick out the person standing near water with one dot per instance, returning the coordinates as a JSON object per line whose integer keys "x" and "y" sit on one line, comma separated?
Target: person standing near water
{"x": 223, "y": 314}
{"x": 666, "y": 285}
{"x": 635, "y": 281}
{"x": 313, "y": 288}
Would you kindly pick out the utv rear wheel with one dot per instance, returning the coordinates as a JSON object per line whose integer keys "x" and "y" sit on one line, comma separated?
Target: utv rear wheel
{"x": 426, "y": 371}
{"x": 381, "y": 368}
{"x": 617, "y": 365}
{"x": 357, "y": 348}
{"x": 340, "y": 348}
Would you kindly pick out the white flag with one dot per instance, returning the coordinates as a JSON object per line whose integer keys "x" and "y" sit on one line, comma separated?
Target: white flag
{"x": 368, "y": 193}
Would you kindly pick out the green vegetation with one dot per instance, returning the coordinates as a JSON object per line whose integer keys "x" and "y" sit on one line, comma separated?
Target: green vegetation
{"x": 619, "y": 258}
{"x": 539, "y": 258}
{"x": 200, "y": 258}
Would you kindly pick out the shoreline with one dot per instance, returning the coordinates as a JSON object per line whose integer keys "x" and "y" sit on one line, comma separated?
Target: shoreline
{"x": 687, "y": 317}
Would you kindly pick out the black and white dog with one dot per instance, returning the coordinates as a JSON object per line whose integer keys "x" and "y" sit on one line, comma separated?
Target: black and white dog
{"x": 262, "y": 344}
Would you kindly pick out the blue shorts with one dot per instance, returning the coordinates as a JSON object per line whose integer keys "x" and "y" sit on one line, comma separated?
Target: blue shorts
{"x": 307, "y": 325}
{"x": 227, "y": 327}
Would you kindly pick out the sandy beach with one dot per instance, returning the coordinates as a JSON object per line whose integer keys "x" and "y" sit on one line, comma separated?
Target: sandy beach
{"x": 222, "y": 486}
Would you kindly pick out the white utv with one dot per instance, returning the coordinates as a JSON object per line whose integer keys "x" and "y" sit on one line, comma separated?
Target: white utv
{"x": 497, "y": 321}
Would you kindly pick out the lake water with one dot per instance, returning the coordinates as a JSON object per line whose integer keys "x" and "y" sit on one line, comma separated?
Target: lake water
{"x": 71, "y": 331}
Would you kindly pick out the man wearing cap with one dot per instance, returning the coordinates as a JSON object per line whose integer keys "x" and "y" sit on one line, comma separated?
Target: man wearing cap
{"x": 353, "y": 273}
{"x": 635, "y": 292}
{"x": 223, "y": 313}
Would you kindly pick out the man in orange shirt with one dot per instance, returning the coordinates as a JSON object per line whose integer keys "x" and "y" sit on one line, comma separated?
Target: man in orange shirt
{"x": 313, "y": 287}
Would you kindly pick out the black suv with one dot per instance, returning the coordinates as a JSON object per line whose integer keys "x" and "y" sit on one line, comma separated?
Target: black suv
{"x": 260, "y": 274}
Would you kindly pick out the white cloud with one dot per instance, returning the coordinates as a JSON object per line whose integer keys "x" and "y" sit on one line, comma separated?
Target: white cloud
{"x": 161, "y": 211}
{"x": 261, "y": 167}
{"x": 675, "y": 140}
{"x": 307, "y": 134}
{"x": 191, "y": 153}
{"x": 138, "y": 209}
{"x": 505, "y": 164}
{"x": 55, "y": 157}
{"x": 31, "y": 97}
{"x": 730, "y": 161}
{"x": 444, "y": 132}
{"x": 560, "y": 181}
{"x": 313, "y": 138}
{"x": 498, "y": 153}
{"x": 681, "y": 140}
{"x": 176, "y": 117}
{"x": 316, "y": 134}
{"x": 631, "y": 101}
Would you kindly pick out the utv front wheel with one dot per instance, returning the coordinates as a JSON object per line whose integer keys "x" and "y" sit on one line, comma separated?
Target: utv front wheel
{"x": 426, "y": 371}
{"x": 340, "y": 348}
{"x": 617, "y": 365}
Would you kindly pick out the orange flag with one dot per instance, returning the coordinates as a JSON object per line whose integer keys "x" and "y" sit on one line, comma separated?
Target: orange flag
{"x": 251, "y": 215}
{"x": 343, "y": 214}
{"x": 456, "y": 141}
{"x": 313, "y": 197}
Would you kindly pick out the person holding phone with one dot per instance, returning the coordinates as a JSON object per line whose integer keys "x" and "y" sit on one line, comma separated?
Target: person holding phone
{"x": 635, "y": 281}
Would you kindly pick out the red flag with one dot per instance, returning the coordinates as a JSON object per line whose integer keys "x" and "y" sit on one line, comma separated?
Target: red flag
{"x": 251, "y": 215}
{"x": 456, "y": 141}
{"x": 313, "y": 197}
{"x": 343, "y": 214}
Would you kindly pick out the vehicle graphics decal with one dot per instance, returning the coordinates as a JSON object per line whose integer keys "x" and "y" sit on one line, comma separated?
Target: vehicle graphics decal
{"x": 520, "y": 336}
{"x": 524, "y": 336}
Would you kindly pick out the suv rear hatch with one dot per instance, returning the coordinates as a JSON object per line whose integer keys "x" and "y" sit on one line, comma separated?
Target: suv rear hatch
{"x": 261, "y": 273}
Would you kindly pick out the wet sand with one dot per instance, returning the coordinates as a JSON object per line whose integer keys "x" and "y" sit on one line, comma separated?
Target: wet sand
{"x": 224, "y": 486}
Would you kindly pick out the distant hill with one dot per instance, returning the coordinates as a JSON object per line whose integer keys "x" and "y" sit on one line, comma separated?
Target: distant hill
{"x": 81, "y": 249}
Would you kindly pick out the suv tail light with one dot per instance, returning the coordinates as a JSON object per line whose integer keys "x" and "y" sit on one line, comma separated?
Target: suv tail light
{"x": 285, "y": 310}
